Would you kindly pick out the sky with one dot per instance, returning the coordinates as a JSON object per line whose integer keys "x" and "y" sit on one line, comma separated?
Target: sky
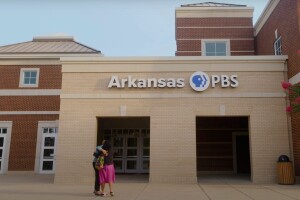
{"x": 115, "y": 27}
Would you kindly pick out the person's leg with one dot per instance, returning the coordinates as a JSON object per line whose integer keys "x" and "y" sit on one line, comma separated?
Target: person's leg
{"x": 110, "y": 178}
{"x": 102, "y": 188}
{"x": 97, "y": 184}
{"x": 102, "y": 175}
{"x": 111, "y": 191}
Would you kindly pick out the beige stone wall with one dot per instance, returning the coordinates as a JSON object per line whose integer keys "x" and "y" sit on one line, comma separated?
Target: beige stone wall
{"x": 85, "y": 97}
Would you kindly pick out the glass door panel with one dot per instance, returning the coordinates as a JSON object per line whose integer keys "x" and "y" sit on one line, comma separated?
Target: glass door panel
{"x": 132, "y": 154}
{"x": 145, "y": 146}
{"x": 118, "y": 140}
{"x": 3, "y": 133}
{"x": 131, "y": 165}
{"x": 48, "y": 150}
{"x": 131, "y": 149}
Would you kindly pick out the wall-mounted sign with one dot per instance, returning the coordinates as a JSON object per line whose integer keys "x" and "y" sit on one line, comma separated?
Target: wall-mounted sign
{"x": 145, "y": 83}
{"x": 199, "y": 81}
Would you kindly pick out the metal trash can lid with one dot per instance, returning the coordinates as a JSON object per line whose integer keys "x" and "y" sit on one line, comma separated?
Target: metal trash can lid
{"x": 283, "y": 158}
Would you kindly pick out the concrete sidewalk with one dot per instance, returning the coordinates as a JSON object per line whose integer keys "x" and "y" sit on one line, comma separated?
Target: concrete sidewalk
{"x": 41, "y": 187}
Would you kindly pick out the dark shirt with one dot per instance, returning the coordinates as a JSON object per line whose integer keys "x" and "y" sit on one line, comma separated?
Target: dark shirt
{"x": 108, "y": 160}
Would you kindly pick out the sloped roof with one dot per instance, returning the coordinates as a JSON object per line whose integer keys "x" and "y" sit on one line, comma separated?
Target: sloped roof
{"x": 52, "y": 44}
{"x": 212, "y": 4}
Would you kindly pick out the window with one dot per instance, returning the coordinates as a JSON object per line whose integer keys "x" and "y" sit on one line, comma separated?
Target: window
{"x": 277, "y": 46}
{"x": 29, "y": 77}
{"x": 215, "y": 48}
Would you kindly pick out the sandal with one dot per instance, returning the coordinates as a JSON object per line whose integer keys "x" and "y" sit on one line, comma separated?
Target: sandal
{"x": 112, "y": 194}
{"x": 97, "y": 193}
{"x": 103, "y": 194}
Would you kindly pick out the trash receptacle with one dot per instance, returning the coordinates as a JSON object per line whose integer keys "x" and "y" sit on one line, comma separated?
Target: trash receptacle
{"x": 285, "y": 171}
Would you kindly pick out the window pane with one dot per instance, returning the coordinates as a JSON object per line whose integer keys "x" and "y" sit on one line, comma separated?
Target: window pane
{"x": 48, "y": 165}
{"x": 210, "y": 47}
{"x": 33, "y": 75}
{"x": 118, "y": 142}
{"x": 118, "y": 164}
{"x": 45, "y": 130}
{"x": 26, "y": 74}
{"x": 131, "y": 164}
{"x": 132, "y": 142}
{"x": 146, "y": 164}
{"x": 221, "y": 47}
{"x": 48, "y": 153}
{"x": 131, "y": 152}
{"x": 118, "y": 153}
{"x": 4, "y": 130}
{"x": 146, "y": 142}
{"x": 278, "y": 47}
{"x": 221, "y": 54}
{"x": 146, "y": 152}
{"x": 33, "y": 81}
{"x": 26, "y": 80}
{"x": 210, "y": 54}
{"x": 1, "y": 141}
{"x": 51, "y": 130}
{"x": 1, "y": 152}
{"x": 49, "y": 141}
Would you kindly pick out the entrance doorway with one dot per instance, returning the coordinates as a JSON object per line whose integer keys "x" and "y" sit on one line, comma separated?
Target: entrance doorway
{"x": 241, "y": 152}
{"x": 223, "y": 145}
{"x": 130, "y": 139}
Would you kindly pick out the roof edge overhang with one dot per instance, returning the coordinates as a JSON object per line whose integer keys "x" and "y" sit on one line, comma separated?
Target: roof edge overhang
{"x": 174, "y": 59}
{"x": 210, "y": 12}
{"x": 268, "y": 10}
{"x": 46, "y": 55}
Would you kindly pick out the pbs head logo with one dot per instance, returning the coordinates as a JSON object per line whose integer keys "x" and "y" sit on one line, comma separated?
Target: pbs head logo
{"x": 199, "y": 81}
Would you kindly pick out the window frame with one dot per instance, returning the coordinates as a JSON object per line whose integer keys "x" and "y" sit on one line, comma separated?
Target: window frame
{"x": 22, "y": 77}
{"x": 279, "y": 49}
{"x": 204, "y": 41}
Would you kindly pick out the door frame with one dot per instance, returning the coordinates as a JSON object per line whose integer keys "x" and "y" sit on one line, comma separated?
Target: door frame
{"x": 6, "y": 149}
{"x": 38, "y": 154}
{"x": 234, "y": 150}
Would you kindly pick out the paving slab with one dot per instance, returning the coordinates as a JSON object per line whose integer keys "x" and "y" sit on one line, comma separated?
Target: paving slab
{"x": 41, "y": 187}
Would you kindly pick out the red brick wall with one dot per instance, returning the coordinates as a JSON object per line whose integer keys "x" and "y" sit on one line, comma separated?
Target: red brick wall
{"x": 215, "y": 33}
{"x": 190, "y": 31}
{"x": 50, "y": 76}
{"x": 29, "y": 103}
{"x": 24, "y": 139}
{"x": 285, "y": 18}
{"x": 24, "y": 130}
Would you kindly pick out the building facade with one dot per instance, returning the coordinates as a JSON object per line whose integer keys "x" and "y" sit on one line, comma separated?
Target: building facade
{"x": 176, "y": 118}
{"x": 30, "y": 85}
{"x": 158, "y": 119}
